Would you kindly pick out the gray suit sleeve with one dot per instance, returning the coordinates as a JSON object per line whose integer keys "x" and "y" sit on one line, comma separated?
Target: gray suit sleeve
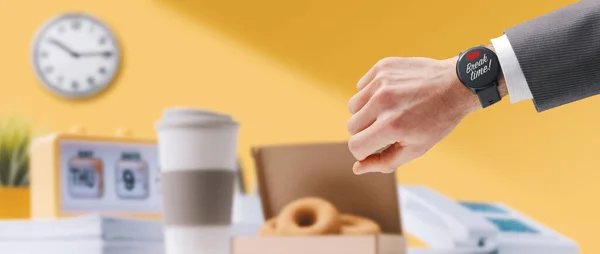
{"x": 559, "y": 54}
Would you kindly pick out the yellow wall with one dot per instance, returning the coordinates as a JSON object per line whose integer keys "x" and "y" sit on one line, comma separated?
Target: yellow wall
{"x": 285, "y": 69}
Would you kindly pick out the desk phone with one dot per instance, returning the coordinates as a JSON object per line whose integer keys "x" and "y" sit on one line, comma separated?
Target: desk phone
{"x": 475, "y": 227}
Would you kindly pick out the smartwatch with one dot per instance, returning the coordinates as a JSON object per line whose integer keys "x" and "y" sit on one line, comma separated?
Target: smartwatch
{"x": 478, "y": 69}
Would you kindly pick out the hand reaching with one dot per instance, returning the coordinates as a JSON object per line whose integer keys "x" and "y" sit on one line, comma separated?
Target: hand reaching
{"x": 407, "y": 105}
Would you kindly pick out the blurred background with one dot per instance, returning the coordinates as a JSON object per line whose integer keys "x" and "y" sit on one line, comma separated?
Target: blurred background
{"x": 286, "y": 69}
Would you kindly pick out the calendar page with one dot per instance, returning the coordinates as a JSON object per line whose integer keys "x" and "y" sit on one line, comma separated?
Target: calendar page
{"x": 109, "y": 177}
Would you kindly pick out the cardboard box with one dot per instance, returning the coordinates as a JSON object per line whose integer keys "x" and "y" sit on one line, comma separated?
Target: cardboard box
{"x": 289, "y": 172}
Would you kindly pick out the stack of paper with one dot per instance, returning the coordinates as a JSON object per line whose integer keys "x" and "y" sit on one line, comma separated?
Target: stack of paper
{"x": 91, "y": 234}
{"x": 86, "y": 227}
{"x": 82, "y": 246}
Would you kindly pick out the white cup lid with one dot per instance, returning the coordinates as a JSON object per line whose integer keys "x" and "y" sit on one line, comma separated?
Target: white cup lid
{"x": 192, "y": 117}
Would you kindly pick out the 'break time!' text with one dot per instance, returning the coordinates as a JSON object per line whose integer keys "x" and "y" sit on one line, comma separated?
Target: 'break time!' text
{"x": 477, "y": 69}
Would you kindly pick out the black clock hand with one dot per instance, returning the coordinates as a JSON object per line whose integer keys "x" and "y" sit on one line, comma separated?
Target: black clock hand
{"x": 106, "y": 54}
{"x": 64, "y": 47}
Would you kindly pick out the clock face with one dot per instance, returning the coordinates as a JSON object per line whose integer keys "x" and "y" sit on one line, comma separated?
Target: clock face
{"x": 75, "y": 55}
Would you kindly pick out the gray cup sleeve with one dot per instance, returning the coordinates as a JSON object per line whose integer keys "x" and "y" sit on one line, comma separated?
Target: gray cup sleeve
{"x": 197, "y": 197}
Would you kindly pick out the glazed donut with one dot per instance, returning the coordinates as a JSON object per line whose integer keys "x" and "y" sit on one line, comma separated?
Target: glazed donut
{"x": 308, "y": 216}
{"x": 269, "y": 228}
{"x": 358, "y": 225}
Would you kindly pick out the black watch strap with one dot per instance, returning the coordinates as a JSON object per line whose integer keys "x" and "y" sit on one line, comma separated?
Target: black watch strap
{"x": 488, "y": 96}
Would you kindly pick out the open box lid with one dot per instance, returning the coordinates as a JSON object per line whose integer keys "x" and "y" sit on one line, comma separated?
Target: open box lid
{"x": 289, "y": 172}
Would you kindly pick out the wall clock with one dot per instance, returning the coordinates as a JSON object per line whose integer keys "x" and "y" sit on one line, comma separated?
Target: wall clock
{"x": 75, "y": 55}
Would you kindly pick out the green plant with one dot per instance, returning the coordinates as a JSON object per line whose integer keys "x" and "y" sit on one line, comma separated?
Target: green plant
{"x": 14, "y": 153}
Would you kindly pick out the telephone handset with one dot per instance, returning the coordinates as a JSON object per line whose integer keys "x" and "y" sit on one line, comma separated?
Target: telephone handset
{"x": 449, "y": 226}
{"x": 441, "y": 223}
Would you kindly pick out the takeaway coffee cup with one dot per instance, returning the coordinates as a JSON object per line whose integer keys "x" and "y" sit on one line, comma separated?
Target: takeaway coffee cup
{"x": 198, "y": 160}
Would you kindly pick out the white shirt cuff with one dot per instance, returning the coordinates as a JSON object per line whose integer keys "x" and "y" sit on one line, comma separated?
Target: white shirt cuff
{"x": 516, "y": 84}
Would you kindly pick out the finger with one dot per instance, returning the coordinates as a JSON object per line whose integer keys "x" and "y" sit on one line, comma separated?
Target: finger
{"x": 387, "y": 161}
{"x": 360, "y": 99}
{"x": 363, "y": 118}
{"x": 366, "y": 79}
{"x": 377, "y": 162}
{"x": 371, "y": 139}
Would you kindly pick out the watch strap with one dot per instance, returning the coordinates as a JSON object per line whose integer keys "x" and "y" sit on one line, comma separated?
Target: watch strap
{"x": 489, "y": 95}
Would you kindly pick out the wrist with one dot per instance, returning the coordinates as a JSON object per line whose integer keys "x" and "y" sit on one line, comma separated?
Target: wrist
{"x": 467, "y": 101}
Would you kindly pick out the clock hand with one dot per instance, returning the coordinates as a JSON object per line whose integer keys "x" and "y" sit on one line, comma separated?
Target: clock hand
{"x": 106, "y": 54}
{"x": 64, "y": 47}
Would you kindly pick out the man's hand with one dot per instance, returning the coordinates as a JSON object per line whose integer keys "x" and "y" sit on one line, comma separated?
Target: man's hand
{"x": 405, "y": 105}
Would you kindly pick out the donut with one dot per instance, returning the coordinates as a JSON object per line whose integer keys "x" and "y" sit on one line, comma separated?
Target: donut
{"x": 357, "y": 225}
{"x": 308, "y": 216}
{"x": 269, "y": 228}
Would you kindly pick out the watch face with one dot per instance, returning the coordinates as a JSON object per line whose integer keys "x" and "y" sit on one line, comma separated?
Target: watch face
{"x": 478, "y": 67}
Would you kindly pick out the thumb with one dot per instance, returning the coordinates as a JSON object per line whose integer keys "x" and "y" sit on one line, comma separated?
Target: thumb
{"x": 387, "y": 161}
